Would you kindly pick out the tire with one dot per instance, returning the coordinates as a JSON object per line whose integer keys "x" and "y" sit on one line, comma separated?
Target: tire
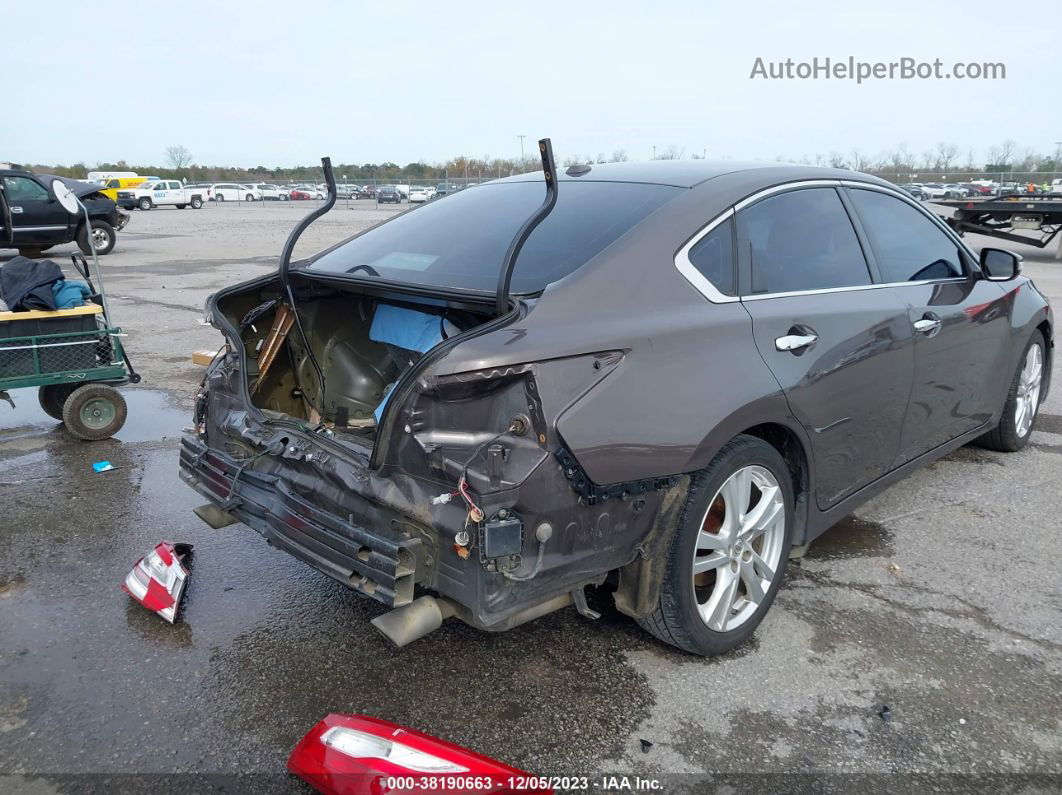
{"x": 145, "y": 203}
{"x": 53, "y": 397}
{"x": 105, "y": 238}
{"x": 220, "y": 197}
{"x": 31, "y": 251}
{"x": 94, "y": 412}
{"x": 197, "y": 203}
{"x": 743, "y": 465}
{"x": 180, "y": 206}
{"x": 250, "y": 197}
{"x": 284, "y": 197}
{"x": 1010, "y": 434}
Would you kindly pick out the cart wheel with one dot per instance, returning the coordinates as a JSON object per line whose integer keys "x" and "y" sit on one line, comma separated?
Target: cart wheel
{"x": 52, "y": 398}
{"x": 94, "y": 411}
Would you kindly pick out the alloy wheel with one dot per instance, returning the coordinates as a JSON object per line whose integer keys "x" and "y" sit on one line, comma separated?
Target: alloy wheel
{"x": 100, "y": 238}
{"x": 1029, "y": 381}
{"x": 739, "y": 548}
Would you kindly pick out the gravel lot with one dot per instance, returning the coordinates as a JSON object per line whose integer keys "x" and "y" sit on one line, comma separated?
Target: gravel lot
{"x": 939, "y": 599}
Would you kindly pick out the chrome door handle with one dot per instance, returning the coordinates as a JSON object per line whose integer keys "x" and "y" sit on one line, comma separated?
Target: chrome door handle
{"x": 795, "y": 342}
{"x": 16, "y": 209}
{"x": 926, "y": 325}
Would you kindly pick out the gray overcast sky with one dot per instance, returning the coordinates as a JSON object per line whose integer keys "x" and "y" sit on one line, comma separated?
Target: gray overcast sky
{"x": 282, "y": 83}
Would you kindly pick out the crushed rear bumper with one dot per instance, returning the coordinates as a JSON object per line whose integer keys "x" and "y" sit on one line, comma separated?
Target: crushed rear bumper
{"x": 380, "y": 562}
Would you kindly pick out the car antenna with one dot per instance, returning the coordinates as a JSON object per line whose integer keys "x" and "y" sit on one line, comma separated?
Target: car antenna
{"x": 501, "y": 301}
{"x": 285, "y": 260}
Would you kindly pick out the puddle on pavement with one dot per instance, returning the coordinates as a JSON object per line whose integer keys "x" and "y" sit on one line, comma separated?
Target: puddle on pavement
{"x": 852, "y": 537}
{"x": 28, "y": 431}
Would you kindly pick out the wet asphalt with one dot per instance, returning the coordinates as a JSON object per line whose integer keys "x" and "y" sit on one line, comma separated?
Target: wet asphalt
{"x": 921, "y": 636}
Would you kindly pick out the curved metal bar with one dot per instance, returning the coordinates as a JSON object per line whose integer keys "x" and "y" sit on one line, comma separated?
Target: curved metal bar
{"x": 501, "y": 301}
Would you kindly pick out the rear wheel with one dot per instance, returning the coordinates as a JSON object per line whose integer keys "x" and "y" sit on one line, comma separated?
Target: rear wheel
{"x": 94, "y": 411}
{"x": 220, "y": 197}
{"x": 197, "y": 203}
{"x": 250, "y": 197}
{"x": 1023, "y": 401}
{"x": 103, "y": 238}
{"x": 728, "y": 556}
{"x": 53, "y": 397}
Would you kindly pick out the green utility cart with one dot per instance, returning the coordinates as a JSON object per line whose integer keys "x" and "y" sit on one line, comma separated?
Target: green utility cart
{"x": 75, "y": 359}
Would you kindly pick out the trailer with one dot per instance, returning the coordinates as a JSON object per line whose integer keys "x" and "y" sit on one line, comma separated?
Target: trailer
{"x": 1003, "y": 216}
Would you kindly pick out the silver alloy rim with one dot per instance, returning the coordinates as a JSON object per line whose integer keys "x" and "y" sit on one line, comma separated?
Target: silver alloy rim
{"x": 99, "y": 238}
{"x": 739, "y": 548}
{"x": 1032, "y": 373}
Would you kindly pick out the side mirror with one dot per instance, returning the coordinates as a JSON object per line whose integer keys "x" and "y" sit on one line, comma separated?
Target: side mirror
{"x": 999, "y": 265}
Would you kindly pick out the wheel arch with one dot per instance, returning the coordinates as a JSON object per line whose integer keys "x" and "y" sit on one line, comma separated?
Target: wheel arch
{"x": 639, "y": 583}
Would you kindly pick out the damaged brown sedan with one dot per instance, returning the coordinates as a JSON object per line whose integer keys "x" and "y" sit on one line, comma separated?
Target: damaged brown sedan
{"x": 685, "y": 371}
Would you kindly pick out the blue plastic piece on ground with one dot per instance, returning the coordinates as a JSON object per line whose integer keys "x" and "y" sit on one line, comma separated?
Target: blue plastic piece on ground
{"x": 102, "y": 466}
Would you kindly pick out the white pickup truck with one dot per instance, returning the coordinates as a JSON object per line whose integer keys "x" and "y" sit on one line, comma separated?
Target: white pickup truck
{"x": 161, "y": 193}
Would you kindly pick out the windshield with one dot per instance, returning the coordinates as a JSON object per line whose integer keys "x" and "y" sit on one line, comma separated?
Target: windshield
{"x": 461, "y": 241}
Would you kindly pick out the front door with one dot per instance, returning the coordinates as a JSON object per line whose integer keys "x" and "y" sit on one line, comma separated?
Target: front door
{"x": 840, "y": 347}
{"x": 961, "y": 322}
{"x": 37, "y": 217}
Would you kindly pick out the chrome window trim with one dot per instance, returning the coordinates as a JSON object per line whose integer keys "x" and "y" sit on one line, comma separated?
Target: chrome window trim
{"x": 689, "y": 270}
{"x": 825, "y": 290}
{"x": 709, "y": 291}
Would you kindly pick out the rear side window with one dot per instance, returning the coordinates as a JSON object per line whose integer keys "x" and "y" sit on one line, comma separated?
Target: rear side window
{"x": 462, "y": 241}
{"x": 907, "y": 245}
{"x": 803, "y": 240}
{"x": 713, "y": 257}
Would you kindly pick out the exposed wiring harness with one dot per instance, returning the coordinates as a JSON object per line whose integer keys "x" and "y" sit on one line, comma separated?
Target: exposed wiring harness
{"x": 534, "y": 572}
{"x": 475, "y": 513}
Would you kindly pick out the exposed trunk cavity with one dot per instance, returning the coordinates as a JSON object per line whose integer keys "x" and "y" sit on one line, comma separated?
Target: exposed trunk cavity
{"x": 364, "y": 345}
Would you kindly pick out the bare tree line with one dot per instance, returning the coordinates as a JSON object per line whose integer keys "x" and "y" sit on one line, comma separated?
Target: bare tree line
{"x": 900, "y": 161}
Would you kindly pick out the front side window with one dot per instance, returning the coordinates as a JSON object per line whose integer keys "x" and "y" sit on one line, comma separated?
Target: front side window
{"x": 24, "y": 189}
{"x": 462, "y": 241}
{"x": 713, "y": 257}
{"x": 907, "y": 245}
{"x": 802, "y": 240}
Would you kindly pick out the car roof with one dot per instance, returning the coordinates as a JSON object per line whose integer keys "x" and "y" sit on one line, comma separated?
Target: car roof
{"x": 691, "y": 173}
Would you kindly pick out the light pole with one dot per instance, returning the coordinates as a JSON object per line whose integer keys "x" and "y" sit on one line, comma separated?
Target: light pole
{"x": 654, "y": 151}
{"x": 521, "y": 137}
{"x": 1058, "y": 155}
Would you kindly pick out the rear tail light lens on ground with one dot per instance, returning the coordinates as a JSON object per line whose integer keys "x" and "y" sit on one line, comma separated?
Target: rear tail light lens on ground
{"x": 157, "y": 580}
{"x": 355, "y": 754}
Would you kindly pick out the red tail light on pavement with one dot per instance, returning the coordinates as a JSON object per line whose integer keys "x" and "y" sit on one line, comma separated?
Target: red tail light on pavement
{"x": 157, "y": 580}
{"x": 358, "y": 755}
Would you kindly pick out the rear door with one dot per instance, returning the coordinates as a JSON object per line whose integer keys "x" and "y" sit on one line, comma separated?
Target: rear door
{"x": 838, "y": 343}
{"x": 961, "y": 322}
{"x": 37, "y": 218}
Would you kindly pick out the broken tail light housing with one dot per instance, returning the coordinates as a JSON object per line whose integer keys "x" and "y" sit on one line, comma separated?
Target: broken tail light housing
{"x": 157, "y": 580}
{"x": 359, "y": 755}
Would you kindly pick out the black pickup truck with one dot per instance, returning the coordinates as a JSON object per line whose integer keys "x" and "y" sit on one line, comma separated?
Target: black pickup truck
{"x": 32, "y": 219}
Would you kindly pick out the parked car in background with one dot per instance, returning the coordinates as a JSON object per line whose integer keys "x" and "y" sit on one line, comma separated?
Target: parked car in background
{"x": 235, "y": 192}
{"x": 270, "y": 192}
{"x": 956, "y": 191}
{"x": 166, "y": 192}
{"x": 502, "y": 458}
{"x": 915, "y": 190}
{"x": 110, "y": 187}
{"x": 1056, "y": 186}
{"x": 935, "y": 190}
{"x": 443, "y": 188}
{"x": 418, "y": 194}
{"x": 32, "y": 219}
{"x": 301, "y": 194}
{"x": 388, "y": 194}
{"x": 367, "y": 192}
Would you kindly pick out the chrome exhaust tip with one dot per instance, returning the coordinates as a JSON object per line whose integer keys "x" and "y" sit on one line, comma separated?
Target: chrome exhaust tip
{"x": 403, "y": 625}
